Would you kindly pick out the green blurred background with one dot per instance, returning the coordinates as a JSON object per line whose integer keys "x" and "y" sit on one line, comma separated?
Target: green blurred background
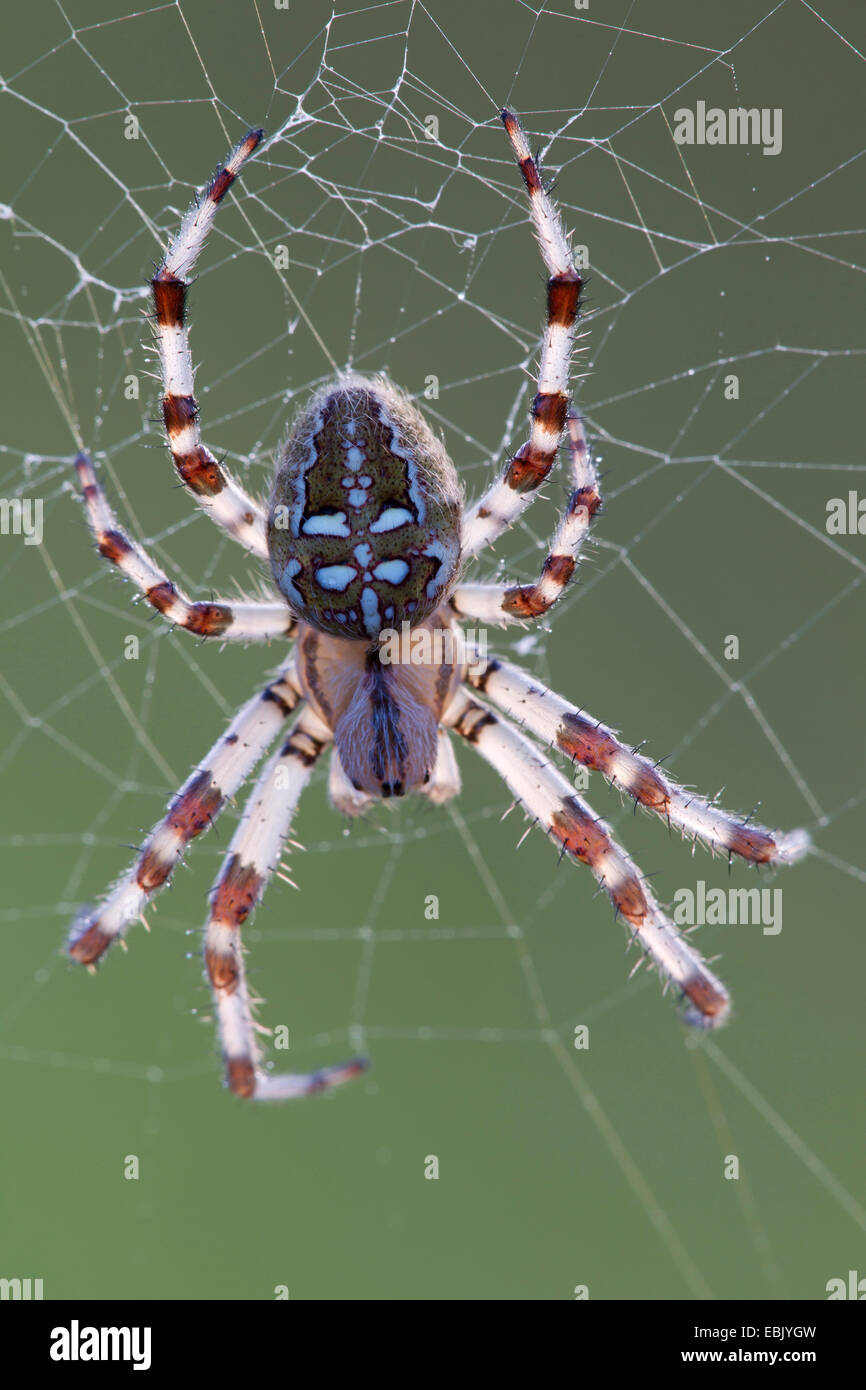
{"x": 557, "y": 1168}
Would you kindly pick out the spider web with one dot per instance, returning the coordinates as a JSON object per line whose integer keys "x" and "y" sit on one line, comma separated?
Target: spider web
{"x": 389, "y": 184}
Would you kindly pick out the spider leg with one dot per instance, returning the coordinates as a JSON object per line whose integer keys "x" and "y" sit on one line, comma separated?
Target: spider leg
{"x": 521, "y": 478}
{"x": 583, "y": 739}
{"x": 445, "y": 778}
{"x": 212, "y": 486}
{"x": 549, "y": 800}
{"x": 504, "y": 603}
{"x": 252, "y": 857}
{"x": 343, "y": 795}
{"x": 191, "y": 812}
{"x": 232, "y": 622}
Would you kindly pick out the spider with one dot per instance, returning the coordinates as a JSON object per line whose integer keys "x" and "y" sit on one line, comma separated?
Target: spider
{"x": 366, "y": 535}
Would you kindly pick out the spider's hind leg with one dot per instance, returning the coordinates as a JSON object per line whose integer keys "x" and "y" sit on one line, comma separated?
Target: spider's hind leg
{"x": 519, "y": 603}
{"x": 192, "y": 811}
{"x": 252, "y": 857}
{"x": 561, "y": 725}
{"x": 549, "y": 800}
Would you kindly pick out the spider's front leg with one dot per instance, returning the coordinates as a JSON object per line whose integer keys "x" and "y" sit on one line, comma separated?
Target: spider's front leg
{"x": 253, "y": 856}
{"x": 549, "y": 800}
{"x": 520, "y": 480}
{"x": 212, "y": 485}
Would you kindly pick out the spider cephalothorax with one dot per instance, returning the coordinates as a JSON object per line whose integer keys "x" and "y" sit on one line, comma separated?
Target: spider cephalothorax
{"x": 364, "y": 515}
{"x": 365, "y": 534}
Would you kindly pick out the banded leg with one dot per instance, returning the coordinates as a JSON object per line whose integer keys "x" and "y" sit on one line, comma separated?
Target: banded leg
{"x": 253, "y": 856}
{"x": 549, "y": 800}
{"x": 504, "y": 603}
{"x": 232, "y": 622}
{"x": 584, "y": 740}
{"x": 519, "y": 482}
{"x": 213, "y": 488}
{"x": 191, "y": 812}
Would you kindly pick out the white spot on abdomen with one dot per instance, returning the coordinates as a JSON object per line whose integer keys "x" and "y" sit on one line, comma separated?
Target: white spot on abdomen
{"x": 335, "y": 577}
{"x": 392, "y": 571}
{"x": 390, "y": 518}
{"x": 370, "y": 609}
{"x": 326, "y": 524}
{"x": 437, "y": 551}
{"x": 292, "y": 568}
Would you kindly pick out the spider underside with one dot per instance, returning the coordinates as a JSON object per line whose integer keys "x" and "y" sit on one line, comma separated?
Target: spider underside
{"x": 366, "y": 536}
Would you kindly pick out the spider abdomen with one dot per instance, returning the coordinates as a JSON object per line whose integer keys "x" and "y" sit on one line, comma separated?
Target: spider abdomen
{"x": 364, "y": 518}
